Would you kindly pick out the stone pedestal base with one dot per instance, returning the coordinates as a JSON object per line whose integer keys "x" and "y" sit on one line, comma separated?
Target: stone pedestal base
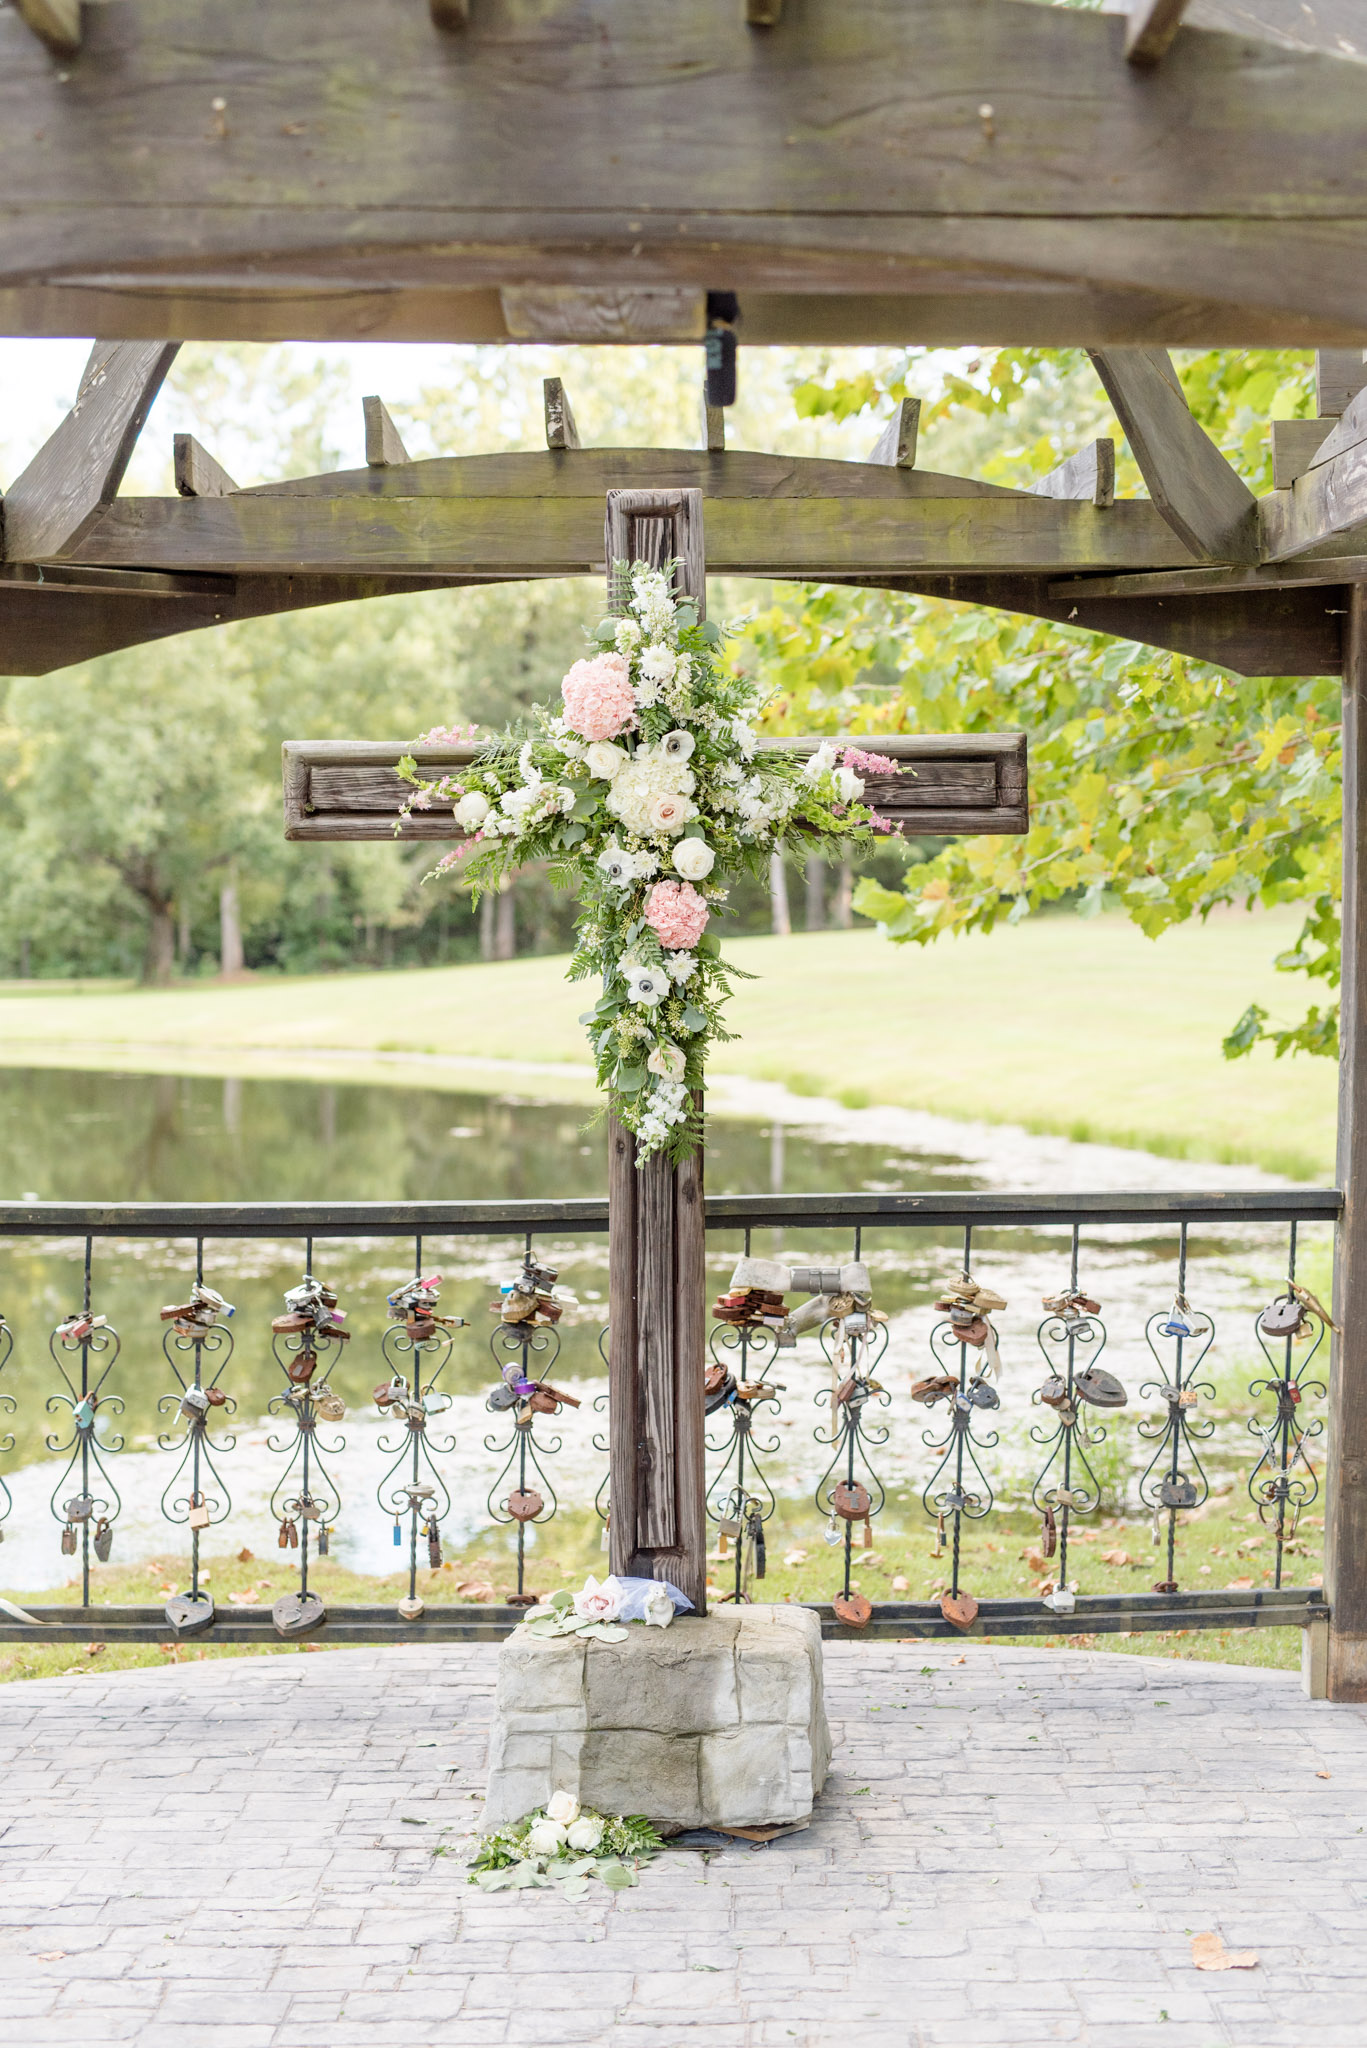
{"x": 718, "y": 1721}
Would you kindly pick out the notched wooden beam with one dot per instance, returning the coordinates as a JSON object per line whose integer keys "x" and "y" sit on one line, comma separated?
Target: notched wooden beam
{"x": 77, "y": 471}
{"x": 635, "y": 314}
{"x": 763, "y": 13}
{"x": 197, "y": 474}
{"x": 450, "y": 15}
{"x": 713, "y": 421}
{"x": 1329, "y": 499}
{"x": 561, "y": 432}
{"x": 1204, "y": 500}
{"x": 895, "y": 447}
{"x": 1150, "y": 30}
{"x": 1089, "y": 475}
{"x": 55, "y": 22}
{"x": 1340, "y": 373}
{"x": 383, "y": 443}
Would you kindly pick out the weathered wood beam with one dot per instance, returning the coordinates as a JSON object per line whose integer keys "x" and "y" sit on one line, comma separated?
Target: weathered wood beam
{"x": 1295, "y": 444}
{"x": 1336, "y": 27}
{"x": 575, "y": 313}
{"x": 1345, "y": 1498}
{"x": 763, "y": 13}
{"x": 1340, "y": 373}
{"x": 895, "y": 447}
{"x": 1308, "y": 573}
{"x": 1090, "y": 475}
{"x": 1329, "y": 499}
{"x": 561, "y": 431}
{"x": 450, "y": 15}
{"x": 197, "y": 474}
{"x": 1150, "y": 29}
{"x": 383, "y": 441}
{"x": 79, "y": 468}
{"x": 961, "y": 783}
{"x": 502, "y": 168}
{"x": 712, "y": 420}
{"x": 55, "y": 22}
{"x": 1253, "y": 633}
{"x": 1201, "y": 496}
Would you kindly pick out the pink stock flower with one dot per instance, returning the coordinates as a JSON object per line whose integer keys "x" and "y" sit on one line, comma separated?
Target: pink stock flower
{"x": 447, "y": 735}
{"x": 598, "y": 697}
{"x": 677, "y": 914}
{"x": 868, "y": 764}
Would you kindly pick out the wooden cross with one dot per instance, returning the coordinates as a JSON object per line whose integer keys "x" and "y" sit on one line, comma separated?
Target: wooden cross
{"x": 657, "y": 1282}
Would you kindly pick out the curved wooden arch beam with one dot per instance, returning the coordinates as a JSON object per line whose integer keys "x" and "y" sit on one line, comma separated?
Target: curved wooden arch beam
{"x": 274, "y": 166}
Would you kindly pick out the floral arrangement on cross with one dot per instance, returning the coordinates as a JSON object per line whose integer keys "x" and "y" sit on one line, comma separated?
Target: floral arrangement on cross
{"x": 649, "y": 791}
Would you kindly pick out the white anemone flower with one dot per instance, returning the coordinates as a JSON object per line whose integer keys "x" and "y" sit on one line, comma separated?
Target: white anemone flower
{"x": 678, "y": 745}
{"x": 645, "y": 985}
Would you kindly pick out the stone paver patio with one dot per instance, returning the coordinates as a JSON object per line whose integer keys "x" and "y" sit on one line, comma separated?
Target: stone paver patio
{"x": 1015, "y": 1847}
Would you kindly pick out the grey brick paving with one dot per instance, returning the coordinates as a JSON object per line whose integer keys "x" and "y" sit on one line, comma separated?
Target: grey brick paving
{"x": 1014, "y": 1848}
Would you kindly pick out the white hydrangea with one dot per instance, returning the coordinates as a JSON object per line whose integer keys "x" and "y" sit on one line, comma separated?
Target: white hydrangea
{"x": 649, "y": 774}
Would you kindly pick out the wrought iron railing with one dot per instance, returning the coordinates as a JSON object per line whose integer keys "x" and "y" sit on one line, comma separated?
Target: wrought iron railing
{"x": 954, "y": 1412}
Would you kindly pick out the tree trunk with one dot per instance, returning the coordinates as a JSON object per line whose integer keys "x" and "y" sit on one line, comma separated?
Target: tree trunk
{"x": 183, "y": 932}
{"x": 842, "y": 915}
{"x": 505, "y": 926}
{"x": 25, "y": 958}
{"x": 816, "y": 892}
{"x": 778, "y": 894}
{"x": 159, "y": 960}
{"x": 231, "y": 959}
{"x": 487, "y": 912}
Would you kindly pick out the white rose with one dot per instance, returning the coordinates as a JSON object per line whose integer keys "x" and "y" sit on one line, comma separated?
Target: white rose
{"x": 564, "y": 1807}
{"x": 598, "y": 1603}
{"x": 668, "y": 1061}
{"x": 471, "y": 811}
{"x": 848, "y": 786}
{"x": 693, "y": 858}
{"x": 659, "y": 1606}
{"x": 545, "y": 1838}
{"x": 604, "y": 760}
{"x": 669, "y": 813}
{"x": 585, "y": 1834}
{"x": 677, "y": 745}
{"x": 820, "y": 763}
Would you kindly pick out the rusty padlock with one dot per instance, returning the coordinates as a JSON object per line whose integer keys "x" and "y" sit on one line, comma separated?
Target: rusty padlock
{"x": 851, "y": 1501}
{"x": 525, "y": 1505}
{"x": 301, "y": 1368}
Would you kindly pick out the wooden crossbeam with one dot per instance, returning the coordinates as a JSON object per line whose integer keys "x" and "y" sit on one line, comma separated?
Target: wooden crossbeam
{"x": 1340, "y": 374}
{"x": 953, "y": 783}
{"x": 79, "y": 468}
{"x": 55, "y": 22}
{"x": 891, "y": 213}
{"x": 1201, "y": 496}
{"x": 1089, "y": 475}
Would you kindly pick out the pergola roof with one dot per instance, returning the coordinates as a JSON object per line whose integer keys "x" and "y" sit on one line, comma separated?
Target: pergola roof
{"x": 856, "y": 170}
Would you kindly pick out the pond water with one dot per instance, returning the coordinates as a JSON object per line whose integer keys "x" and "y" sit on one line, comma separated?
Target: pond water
{"x": 77, "y": 1136}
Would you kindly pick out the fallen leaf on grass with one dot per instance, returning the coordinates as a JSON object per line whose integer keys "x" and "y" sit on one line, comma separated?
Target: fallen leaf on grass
{"x": 1115, "y": 1557}
{"x": 245, "y": 1556}
{"x": 1238, "y": 1585}
{"x": 94, "y": 1649}
{"x": 901, "y": 1585}
{"x": 1208, "y": 1952}
{"x": 795, "y": 1557}
{"x": 251, "y": 1598}
{"x": 1035, "y": 1559}
{"x": 475, "y": 1589}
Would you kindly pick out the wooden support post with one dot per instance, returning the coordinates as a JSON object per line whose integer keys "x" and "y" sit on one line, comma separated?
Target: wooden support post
{"x": 713, "y": 424}
{"x": 657, "y": 1279}
{"x": 1151, "y": 28}
{"x": 55, "y": 22}
{"x": 1345, "y": 1505}
{"x": 1203, "y": 498}
{"x": 1340, "y": 374}
{"x": 1088, "y": 476}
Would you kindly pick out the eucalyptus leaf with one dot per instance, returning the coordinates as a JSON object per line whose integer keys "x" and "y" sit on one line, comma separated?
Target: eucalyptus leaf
{"x": 693, "y": 1019}
{"x": 710, "y": 633}
{"x": 630, "y": 1080}
{"x": 616, "y": 1876}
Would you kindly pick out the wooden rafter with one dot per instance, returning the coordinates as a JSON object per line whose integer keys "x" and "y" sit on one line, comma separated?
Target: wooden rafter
{"x": 1204, "y": 500}
{"x": 836, "y": 170}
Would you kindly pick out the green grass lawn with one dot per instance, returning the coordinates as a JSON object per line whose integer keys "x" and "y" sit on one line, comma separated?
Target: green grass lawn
{"x": 1218, "y": 1544}
{"x": 1084, "y": 1029}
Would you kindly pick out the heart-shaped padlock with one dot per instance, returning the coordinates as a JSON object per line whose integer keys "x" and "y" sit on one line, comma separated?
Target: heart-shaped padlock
{"x": 1102, "y": 1389}
{"x": 525, "y": 1505}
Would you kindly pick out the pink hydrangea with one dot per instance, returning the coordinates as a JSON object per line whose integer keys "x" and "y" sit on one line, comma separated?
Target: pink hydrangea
{"x": 598, "y": 697}
{"x": 677, "y": 915}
